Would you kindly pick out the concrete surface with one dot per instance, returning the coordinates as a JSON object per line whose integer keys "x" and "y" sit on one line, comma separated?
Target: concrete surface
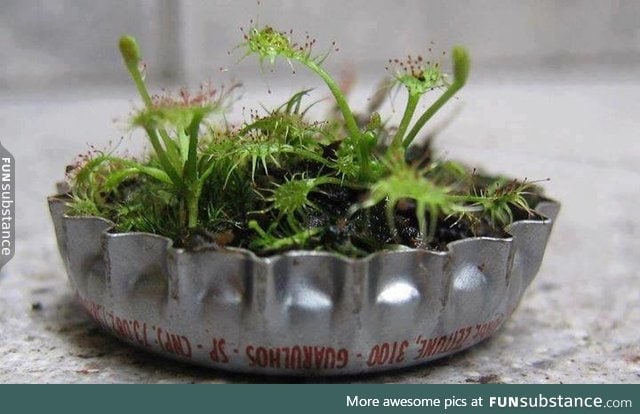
{"x": 577, "y": 323}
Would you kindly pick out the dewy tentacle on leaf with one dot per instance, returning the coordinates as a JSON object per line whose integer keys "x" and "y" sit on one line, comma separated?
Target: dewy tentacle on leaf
{"x": 270, "y": 44}
{"x": 418, "y": 76}
{"x": 461, "y": 64}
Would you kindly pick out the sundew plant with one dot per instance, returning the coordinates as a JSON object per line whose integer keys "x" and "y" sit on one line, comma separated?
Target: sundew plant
{"x": 281, "y": 181}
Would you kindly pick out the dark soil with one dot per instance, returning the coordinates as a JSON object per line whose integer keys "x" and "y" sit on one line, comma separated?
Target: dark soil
{"x": 361, "y": 232}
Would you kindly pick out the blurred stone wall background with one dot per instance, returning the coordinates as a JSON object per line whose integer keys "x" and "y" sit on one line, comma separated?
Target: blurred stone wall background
{"x": 48, "y": 42}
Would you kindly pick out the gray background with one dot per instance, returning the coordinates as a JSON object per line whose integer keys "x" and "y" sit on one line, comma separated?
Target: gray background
{"x": 554, "y": 92}
{"x": 46, "y": 42}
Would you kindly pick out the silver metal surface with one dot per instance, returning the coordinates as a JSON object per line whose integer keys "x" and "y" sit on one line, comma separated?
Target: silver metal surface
{"x": 299, "y": 313}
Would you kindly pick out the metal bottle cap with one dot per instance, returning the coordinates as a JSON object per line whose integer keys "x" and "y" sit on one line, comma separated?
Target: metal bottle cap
{"x": 298, "y": 313}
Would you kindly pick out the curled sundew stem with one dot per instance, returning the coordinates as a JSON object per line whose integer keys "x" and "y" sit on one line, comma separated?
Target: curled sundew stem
{"x": 192, "y": 196}
{"x": 341, "y": 101}
{"x": 410, "y": 109}
{"x": 131, "y": 55}
{"x": 184, "y": 177}
{"x": 191, "y": 165}
{"x": 130, "y": 51}
{"x": 461, "y": 63}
